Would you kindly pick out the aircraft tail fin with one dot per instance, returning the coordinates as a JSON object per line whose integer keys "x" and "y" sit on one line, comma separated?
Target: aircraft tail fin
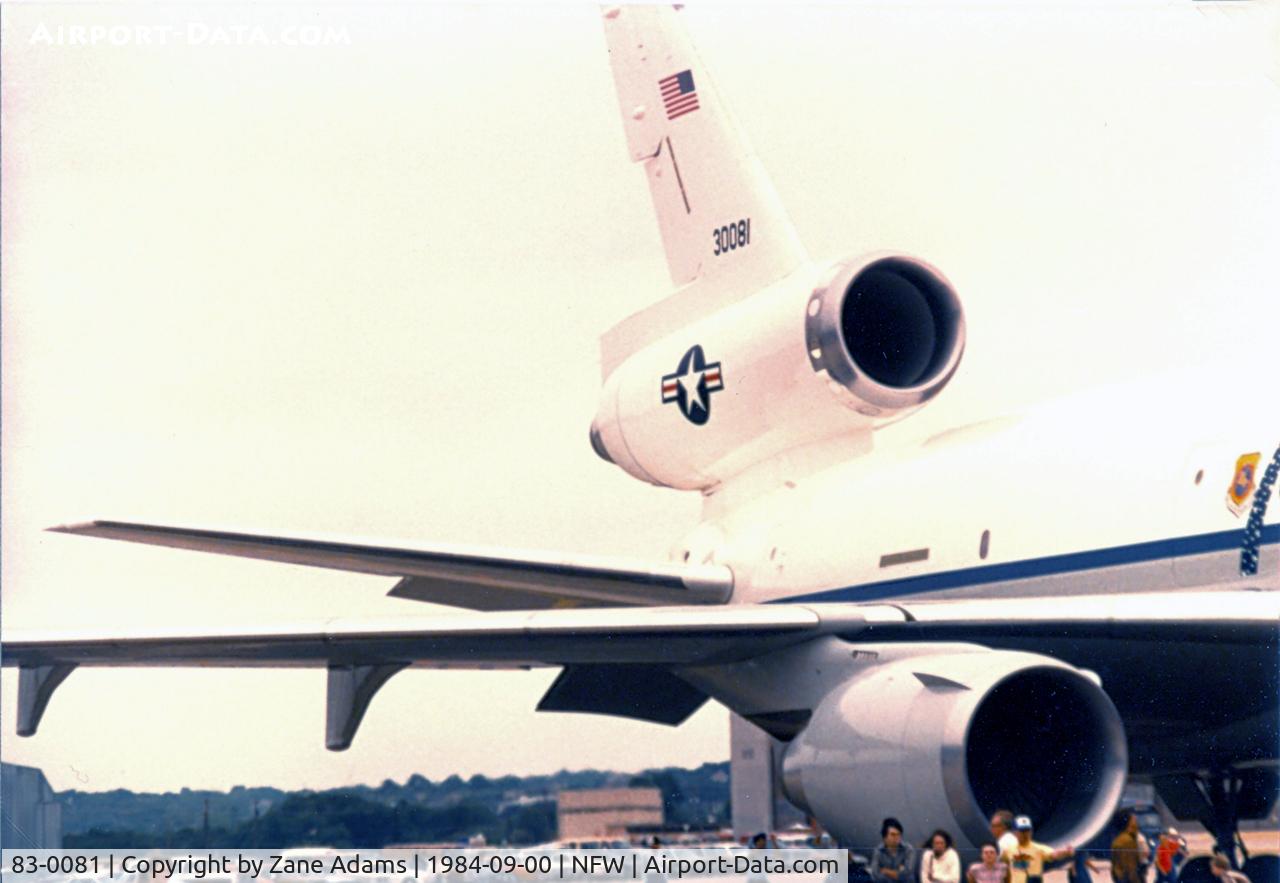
{"x": 721, "y": 220}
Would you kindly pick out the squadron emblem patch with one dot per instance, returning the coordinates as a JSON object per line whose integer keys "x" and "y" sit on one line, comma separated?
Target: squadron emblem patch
{"x": 1243, "y": 483}
{"x": 692, "y": 384}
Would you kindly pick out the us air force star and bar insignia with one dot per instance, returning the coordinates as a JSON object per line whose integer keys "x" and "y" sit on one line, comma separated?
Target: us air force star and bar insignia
{"x": 692, "y": 384}
{"x": 1242, "y": 483}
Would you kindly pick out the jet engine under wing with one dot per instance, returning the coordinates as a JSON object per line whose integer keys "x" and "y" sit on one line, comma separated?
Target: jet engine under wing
{"x": 478, "y": 579}
{"x": 1195, "y": 675}
{"x": 360, "y": 656}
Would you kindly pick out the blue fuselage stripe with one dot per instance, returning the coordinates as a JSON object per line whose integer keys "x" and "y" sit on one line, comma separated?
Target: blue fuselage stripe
{"x": 1031, "y": 568}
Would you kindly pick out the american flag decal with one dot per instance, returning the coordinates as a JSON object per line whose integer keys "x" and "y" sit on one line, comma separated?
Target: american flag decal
{"x": 678, "y": 94}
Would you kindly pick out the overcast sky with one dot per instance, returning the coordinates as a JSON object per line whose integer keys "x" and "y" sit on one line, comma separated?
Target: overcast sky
{"x": 356, "y": 289}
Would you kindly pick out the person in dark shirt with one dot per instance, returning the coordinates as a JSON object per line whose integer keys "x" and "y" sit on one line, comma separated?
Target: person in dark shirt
{"x": 893, "y": 861}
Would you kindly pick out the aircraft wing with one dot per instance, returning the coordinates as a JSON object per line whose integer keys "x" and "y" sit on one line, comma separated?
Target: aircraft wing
{"x": 667, "y": 636}
{"x": 627, "y": 661}
{"x": 603, "y": 651}
{"x": 509, "y": 639}
{"x": 474, "y": 578}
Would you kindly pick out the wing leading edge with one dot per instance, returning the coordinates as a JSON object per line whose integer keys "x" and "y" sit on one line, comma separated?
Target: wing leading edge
{"x": 612, "y": 648}
{"x": 361, "y": 656}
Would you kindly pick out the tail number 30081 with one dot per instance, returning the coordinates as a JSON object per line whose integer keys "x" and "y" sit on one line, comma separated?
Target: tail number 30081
{"x": 732, "y": 236}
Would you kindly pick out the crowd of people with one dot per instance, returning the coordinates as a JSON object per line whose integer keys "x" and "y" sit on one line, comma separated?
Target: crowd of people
{"x": 1014, "y": 856}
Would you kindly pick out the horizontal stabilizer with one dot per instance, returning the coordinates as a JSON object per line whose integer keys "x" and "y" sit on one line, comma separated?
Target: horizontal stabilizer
{"x": 479, "y": 579}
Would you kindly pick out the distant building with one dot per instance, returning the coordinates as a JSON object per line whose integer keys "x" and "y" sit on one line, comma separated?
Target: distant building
{"x": 606, "y": 812}
{"x": 32, "y": 818}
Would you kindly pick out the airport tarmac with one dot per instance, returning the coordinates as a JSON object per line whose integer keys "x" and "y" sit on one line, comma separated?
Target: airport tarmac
{"x": 1200, "y": 843}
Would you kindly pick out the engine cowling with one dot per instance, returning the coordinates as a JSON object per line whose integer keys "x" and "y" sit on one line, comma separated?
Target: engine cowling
{"x": 945, "y": 740}
{"x": 887, "y": 330}
{"x": 822, "y": 353}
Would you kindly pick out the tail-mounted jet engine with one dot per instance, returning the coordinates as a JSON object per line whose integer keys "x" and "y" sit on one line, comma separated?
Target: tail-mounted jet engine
{"x": 820, "y": 354}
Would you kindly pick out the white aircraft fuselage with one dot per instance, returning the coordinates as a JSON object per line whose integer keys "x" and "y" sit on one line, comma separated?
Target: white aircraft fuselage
{"x": 997, "y": 510}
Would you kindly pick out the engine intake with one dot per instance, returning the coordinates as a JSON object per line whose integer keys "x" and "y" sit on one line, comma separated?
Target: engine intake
{"x": 888, "y": 329}
{"x": 1068, "y": 743}
{"x": 943, "y": 740}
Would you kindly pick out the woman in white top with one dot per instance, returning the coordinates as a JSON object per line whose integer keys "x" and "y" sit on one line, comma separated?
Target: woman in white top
{"x": 940, "y": 863}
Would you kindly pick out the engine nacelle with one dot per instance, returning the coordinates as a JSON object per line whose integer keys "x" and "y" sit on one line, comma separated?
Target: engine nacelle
{"x": 945, "y": 740}
{"x": 822, "y": 353}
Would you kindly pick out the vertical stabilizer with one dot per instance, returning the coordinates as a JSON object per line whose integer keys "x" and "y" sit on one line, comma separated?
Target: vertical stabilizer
{"x": 719, "y": 216}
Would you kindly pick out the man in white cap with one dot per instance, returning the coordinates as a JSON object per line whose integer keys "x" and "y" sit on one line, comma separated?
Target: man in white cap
{"x": 1026, "y": 860}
